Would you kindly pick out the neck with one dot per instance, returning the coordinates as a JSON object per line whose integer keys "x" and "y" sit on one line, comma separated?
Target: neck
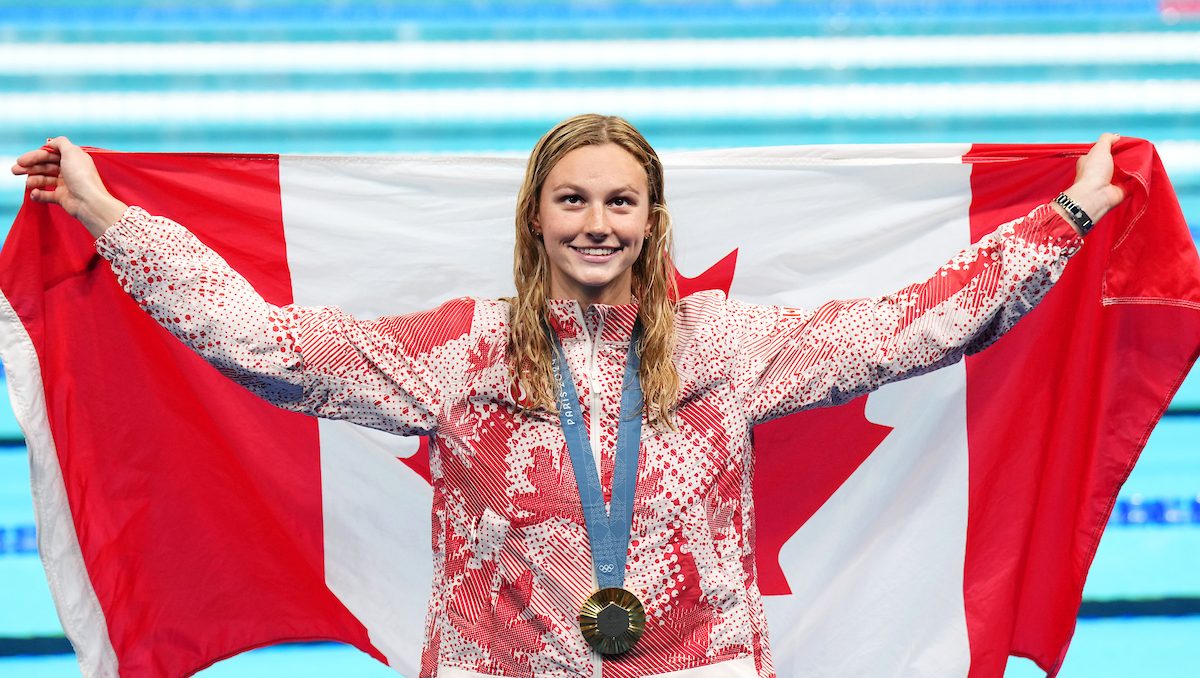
{"x": 586, "y": 296}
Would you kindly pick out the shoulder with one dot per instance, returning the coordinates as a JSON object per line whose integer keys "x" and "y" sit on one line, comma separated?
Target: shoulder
{"x": 701, "y": 304}
{"x": 701, "y": 317}
{"x": 422, "y": 331}
{"x": 460, "y": 311}
{"x": 710, "y": 315}
{"x": 715, "y": 307}
{"x": 491, "y": 315}
{"x": 455, "y": 315}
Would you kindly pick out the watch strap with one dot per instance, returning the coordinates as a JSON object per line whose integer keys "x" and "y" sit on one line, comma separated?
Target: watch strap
{"x": 1080, "y": 218}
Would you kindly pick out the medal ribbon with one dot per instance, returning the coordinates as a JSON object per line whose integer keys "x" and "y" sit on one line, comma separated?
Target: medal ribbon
{"x": 608, "y": 530}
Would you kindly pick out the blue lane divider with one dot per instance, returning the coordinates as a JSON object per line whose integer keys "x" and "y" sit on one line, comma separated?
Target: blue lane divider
{"x": 629, "y": 10}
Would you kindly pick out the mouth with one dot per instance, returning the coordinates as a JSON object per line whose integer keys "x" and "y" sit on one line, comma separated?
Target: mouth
{"x": 596, "y": 252}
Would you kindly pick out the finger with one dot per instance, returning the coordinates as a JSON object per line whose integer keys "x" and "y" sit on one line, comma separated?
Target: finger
{"x": 48, "y": 168}
{"x": 58, "y": 144}
{"x": 52, "y": 169}
{"x": 1106, "y": 140}
{"x": 43, "y": 168}
{"x": 54, "y": 148}
{"x": 41, "y": 181}
{"x": 40, "y": 195}
{"x": 40, "y": 155}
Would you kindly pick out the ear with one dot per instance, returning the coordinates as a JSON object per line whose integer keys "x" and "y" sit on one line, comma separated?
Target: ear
{"x": 536, "y": 226}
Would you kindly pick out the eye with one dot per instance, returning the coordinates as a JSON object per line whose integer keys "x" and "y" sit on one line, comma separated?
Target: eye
{"x": 622, "y": 201}
{"x": 572, "y": 199}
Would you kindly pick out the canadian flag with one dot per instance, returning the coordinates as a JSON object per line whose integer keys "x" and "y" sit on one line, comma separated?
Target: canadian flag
{"x": 932, "y": 528}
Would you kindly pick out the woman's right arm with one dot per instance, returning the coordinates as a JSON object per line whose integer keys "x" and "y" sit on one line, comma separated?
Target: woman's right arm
{"x": 390, "y": 374}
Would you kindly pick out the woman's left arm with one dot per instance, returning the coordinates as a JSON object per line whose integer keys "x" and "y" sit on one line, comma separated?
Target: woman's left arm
{"x": 790, "y": 360}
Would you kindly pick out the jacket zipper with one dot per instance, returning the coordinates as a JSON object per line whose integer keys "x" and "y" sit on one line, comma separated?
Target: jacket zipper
{"x": 594, "y": 432}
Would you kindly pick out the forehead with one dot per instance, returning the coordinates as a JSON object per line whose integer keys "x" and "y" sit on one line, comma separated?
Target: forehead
{"x": 600, "y": 165}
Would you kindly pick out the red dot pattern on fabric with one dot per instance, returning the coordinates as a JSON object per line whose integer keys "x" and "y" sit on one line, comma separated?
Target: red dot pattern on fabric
{"x": 510, "y": 549}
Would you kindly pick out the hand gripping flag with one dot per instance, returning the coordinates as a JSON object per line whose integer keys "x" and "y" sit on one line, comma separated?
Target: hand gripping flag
{"x": 932, "y": 528}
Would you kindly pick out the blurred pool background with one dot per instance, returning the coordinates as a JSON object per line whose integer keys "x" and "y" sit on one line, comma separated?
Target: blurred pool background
{"x": 303, "y": 76}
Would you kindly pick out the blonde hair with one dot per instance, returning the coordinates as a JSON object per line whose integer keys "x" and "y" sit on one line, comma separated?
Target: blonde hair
{"x": 529, "y": 350}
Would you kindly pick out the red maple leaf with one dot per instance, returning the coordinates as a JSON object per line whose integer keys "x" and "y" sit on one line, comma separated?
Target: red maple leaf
{"x": 799, "y": 462}
{"x": 520, "y": 629}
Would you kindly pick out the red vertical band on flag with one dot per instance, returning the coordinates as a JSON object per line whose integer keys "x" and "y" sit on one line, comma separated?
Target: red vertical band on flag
{"x": 209, "y": 542}
{"x": 1059, "y": 409}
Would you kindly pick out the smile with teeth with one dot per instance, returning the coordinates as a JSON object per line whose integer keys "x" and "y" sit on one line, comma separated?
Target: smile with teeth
{"x": 596, "y": 251}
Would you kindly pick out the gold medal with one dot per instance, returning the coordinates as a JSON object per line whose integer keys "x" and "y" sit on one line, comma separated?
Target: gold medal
{"x": 612, "y": 620}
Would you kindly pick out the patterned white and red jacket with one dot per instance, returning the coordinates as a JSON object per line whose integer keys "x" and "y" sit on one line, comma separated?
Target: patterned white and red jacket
{"x": 510, "y": 549}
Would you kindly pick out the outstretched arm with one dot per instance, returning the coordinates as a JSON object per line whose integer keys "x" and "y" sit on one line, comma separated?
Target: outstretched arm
{"x": 388, "y": 373}
{"x": 792, "y": 359}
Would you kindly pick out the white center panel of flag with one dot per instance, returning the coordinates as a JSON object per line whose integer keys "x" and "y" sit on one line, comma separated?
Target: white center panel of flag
{"x": 901, "y": 208}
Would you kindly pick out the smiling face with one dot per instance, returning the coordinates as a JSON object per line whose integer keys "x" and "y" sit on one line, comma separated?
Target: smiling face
{"x": 593, "y": 216}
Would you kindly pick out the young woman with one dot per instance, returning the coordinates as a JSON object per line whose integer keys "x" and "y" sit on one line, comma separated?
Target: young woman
{"x": 637, "y": 561}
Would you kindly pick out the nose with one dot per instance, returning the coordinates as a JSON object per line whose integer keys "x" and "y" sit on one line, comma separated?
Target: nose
{"x": 597, "y": 227}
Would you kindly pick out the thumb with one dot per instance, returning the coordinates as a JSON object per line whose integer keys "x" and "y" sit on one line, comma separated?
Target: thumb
{"x": 57, "y": 144}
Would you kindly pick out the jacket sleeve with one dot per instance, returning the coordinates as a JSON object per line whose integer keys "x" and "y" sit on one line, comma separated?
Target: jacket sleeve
{"x": 392, "y": 373}
{"x": 789, "y": 359}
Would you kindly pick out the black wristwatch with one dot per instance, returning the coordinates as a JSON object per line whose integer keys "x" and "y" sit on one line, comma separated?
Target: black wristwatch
{"x": 1080, "y": 218}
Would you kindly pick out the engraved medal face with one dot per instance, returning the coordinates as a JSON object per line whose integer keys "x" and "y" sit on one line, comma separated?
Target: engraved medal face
{"x": 612, "y": 620}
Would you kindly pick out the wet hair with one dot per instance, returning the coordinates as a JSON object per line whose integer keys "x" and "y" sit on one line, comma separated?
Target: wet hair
{"x": 529, "y": 350}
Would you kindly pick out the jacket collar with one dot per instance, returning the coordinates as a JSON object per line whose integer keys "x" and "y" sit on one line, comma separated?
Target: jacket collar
{"x": 570, "y": 321}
